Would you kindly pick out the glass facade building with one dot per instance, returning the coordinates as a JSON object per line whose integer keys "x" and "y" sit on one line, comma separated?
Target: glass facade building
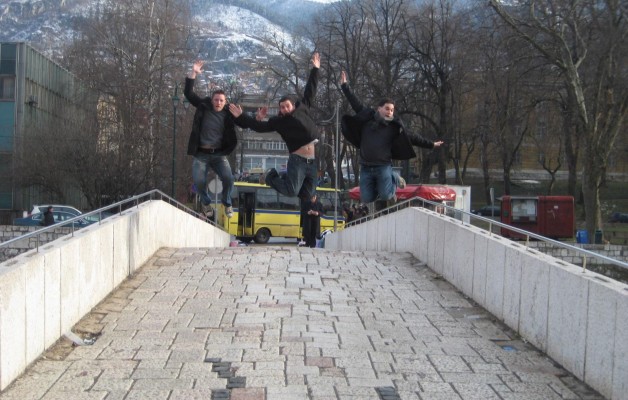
{"x": 36, "y": 95}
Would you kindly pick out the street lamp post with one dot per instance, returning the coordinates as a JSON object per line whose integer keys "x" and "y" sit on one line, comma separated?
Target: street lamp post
{"x": 175, "y": 104}
{"x": 336, "y": 149}
{"x": 336, "y": 155}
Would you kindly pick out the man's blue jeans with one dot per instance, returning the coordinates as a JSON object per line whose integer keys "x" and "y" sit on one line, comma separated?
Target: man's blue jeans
{"x": 219, "y": 163}
{"x": 376, "y": 183}
{"x": 299, "y": 179}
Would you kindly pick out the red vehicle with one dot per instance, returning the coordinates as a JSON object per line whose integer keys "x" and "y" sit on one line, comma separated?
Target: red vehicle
{"x": 551, "y": 216}
{"x": 435, "y": 193}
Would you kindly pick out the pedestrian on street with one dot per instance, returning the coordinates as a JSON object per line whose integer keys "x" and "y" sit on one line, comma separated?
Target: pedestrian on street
{"x": 49, "y": 217}
{"x": 312, "y": 221}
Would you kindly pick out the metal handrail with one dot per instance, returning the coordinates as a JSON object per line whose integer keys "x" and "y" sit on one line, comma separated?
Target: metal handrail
{"x": 528, "y": 235}
{"x": 120, "y": 206}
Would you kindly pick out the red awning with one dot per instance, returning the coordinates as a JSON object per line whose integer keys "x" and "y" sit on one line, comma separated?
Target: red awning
{"x": 427, "y": 192}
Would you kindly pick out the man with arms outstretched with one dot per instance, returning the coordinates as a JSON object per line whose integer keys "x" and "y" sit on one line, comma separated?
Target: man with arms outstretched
{"x": 297, "y": 128}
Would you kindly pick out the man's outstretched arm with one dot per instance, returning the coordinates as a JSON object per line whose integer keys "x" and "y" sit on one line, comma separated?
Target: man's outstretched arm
{"x": 188, "y": 91}
{"x": 346, "y": 90}
{"x": 312, "y": 83}
{"x": 246, "y": 121}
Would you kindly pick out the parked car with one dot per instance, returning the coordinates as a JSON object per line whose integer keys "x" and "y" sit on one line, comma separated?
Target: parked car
{"x": 619, "y": 217}
{"x": 56, "y": 207}
{"x": 59, "y": 216}
{"x": 487, "y": 211}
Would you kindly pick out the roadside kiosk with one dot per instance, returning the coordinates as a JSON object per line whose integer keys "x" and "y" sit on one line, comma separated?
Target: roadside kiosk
{"x": 551, "y": 216}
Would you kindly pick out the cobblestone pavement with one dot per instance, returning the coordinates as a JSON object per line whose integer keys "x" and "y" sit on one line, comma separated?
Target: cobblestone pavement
{"x": 292, "y": 323}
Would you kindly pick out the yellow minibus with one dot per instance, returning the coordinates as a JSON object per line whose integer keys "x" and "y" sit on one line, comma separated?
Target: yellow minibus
{"x": 260, "y": 212}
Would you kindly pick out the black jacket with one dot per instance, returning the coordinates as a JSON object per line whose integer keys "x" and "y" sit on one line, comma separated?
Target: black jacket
{"x": 296, "y": 129}
{"x": 352, "y": 129}
{"x": 229, "y": 137}
{"x": 49, "y": 218}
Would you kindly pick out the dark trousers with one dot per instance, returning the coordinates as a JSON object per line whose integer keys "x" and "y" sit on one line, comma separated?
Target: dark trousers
{"x": 299, "y": 179}
{"x": 311, "y": 229}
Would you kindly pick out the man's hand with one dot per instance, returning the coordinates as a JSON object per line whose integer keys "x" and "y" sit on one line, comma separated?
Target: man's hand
{"x": 316, "y": 60}
{"x": 261, "y": 113}
{"x": 235, "y": 110}
{"x": 343, "y": 77}
{"x": 197, "y": 67}
{"x": 438, "y": 144}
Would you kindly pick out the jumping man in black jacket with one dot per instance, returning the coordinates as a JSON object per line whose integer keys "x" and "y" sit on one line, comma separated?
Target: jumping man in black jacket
{"x": 212, "y": 139}
{"x": 297, "y": 128}
{"x": 381, "y": 137}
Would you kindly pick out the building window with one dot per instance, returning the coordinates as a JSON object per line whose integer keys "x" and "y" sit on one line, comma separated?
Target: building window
{"x": 8, "y": 55}
{"x": 7, "y": 88}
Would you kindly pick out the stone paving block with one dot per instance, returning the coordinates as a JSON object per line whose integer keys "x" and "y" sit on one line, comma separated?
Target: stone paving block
{"x": 210, "y": 383}
{"x": 163, "y": 384}
{"x": 187, "y": 356}
{"x": 158, "y": 373}
{"x": 449, "y": 363}
{"x": 408, "y": 395}
{"x": 108, "y": 385}
{"x": 266, "y": 381}
{"x": 369, "y": 382}
{"x": 60, "y": 395}
{"x": 471, "y": 391}
{"x": 196, "y": 370}
{"x": 461, "y": 377}
{"x": 439, "y": 396}
{"x": 139, "y": 394}
{"x": 191, "y": 394}
{"x": 248, "y": 394}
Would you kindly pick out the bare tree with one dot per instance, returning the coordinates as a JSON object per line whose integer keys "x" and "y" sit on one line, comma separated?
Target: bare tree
{"x": 133, "y": 54}
{"x": 548, "y": 139}
{"x": 435, "y": 33}
{"x": 344, "y": 28}
{"x": 585, "y": 41}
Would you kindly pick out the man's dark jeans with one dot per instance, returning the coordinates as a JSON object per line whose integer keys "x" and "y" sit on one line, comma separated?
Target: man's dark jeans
{"x": 299, "y": 179}
{"x": 376, "y": 183}
{"x": 218, "y": 162}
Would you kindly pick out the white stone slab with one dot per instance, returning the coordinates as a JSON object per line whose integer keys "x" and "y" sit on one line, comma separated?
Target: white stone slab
{"x": 463, "y": 257}
{"x": 512, "y": 285}
{"x": 567, "y": 318}
{"x": 435, "y": 242}
{"x": 600, "y": 345}
{"x": 12, "y": 324}
{"x": 404, "y": 222}
{"x": 480, "y": 260}
{"x": 52, "y": 295}
{"x": 534, "y": 299}
{"x": 121, "y": 262}
{"x": 35, "y": 307}
{"x": 71, "y": 287}
{"x": 620, "y": 362}
{"x": 495, "y": 277}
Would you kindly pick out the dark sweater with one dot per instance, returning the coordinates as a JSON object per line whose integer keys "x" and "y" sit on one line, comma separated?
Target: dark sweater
{"x": 355, "y": 127}
{"x": 376, "y": 143}
{"x": 229, "y": 138}
{"x": 296, "y": 129}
